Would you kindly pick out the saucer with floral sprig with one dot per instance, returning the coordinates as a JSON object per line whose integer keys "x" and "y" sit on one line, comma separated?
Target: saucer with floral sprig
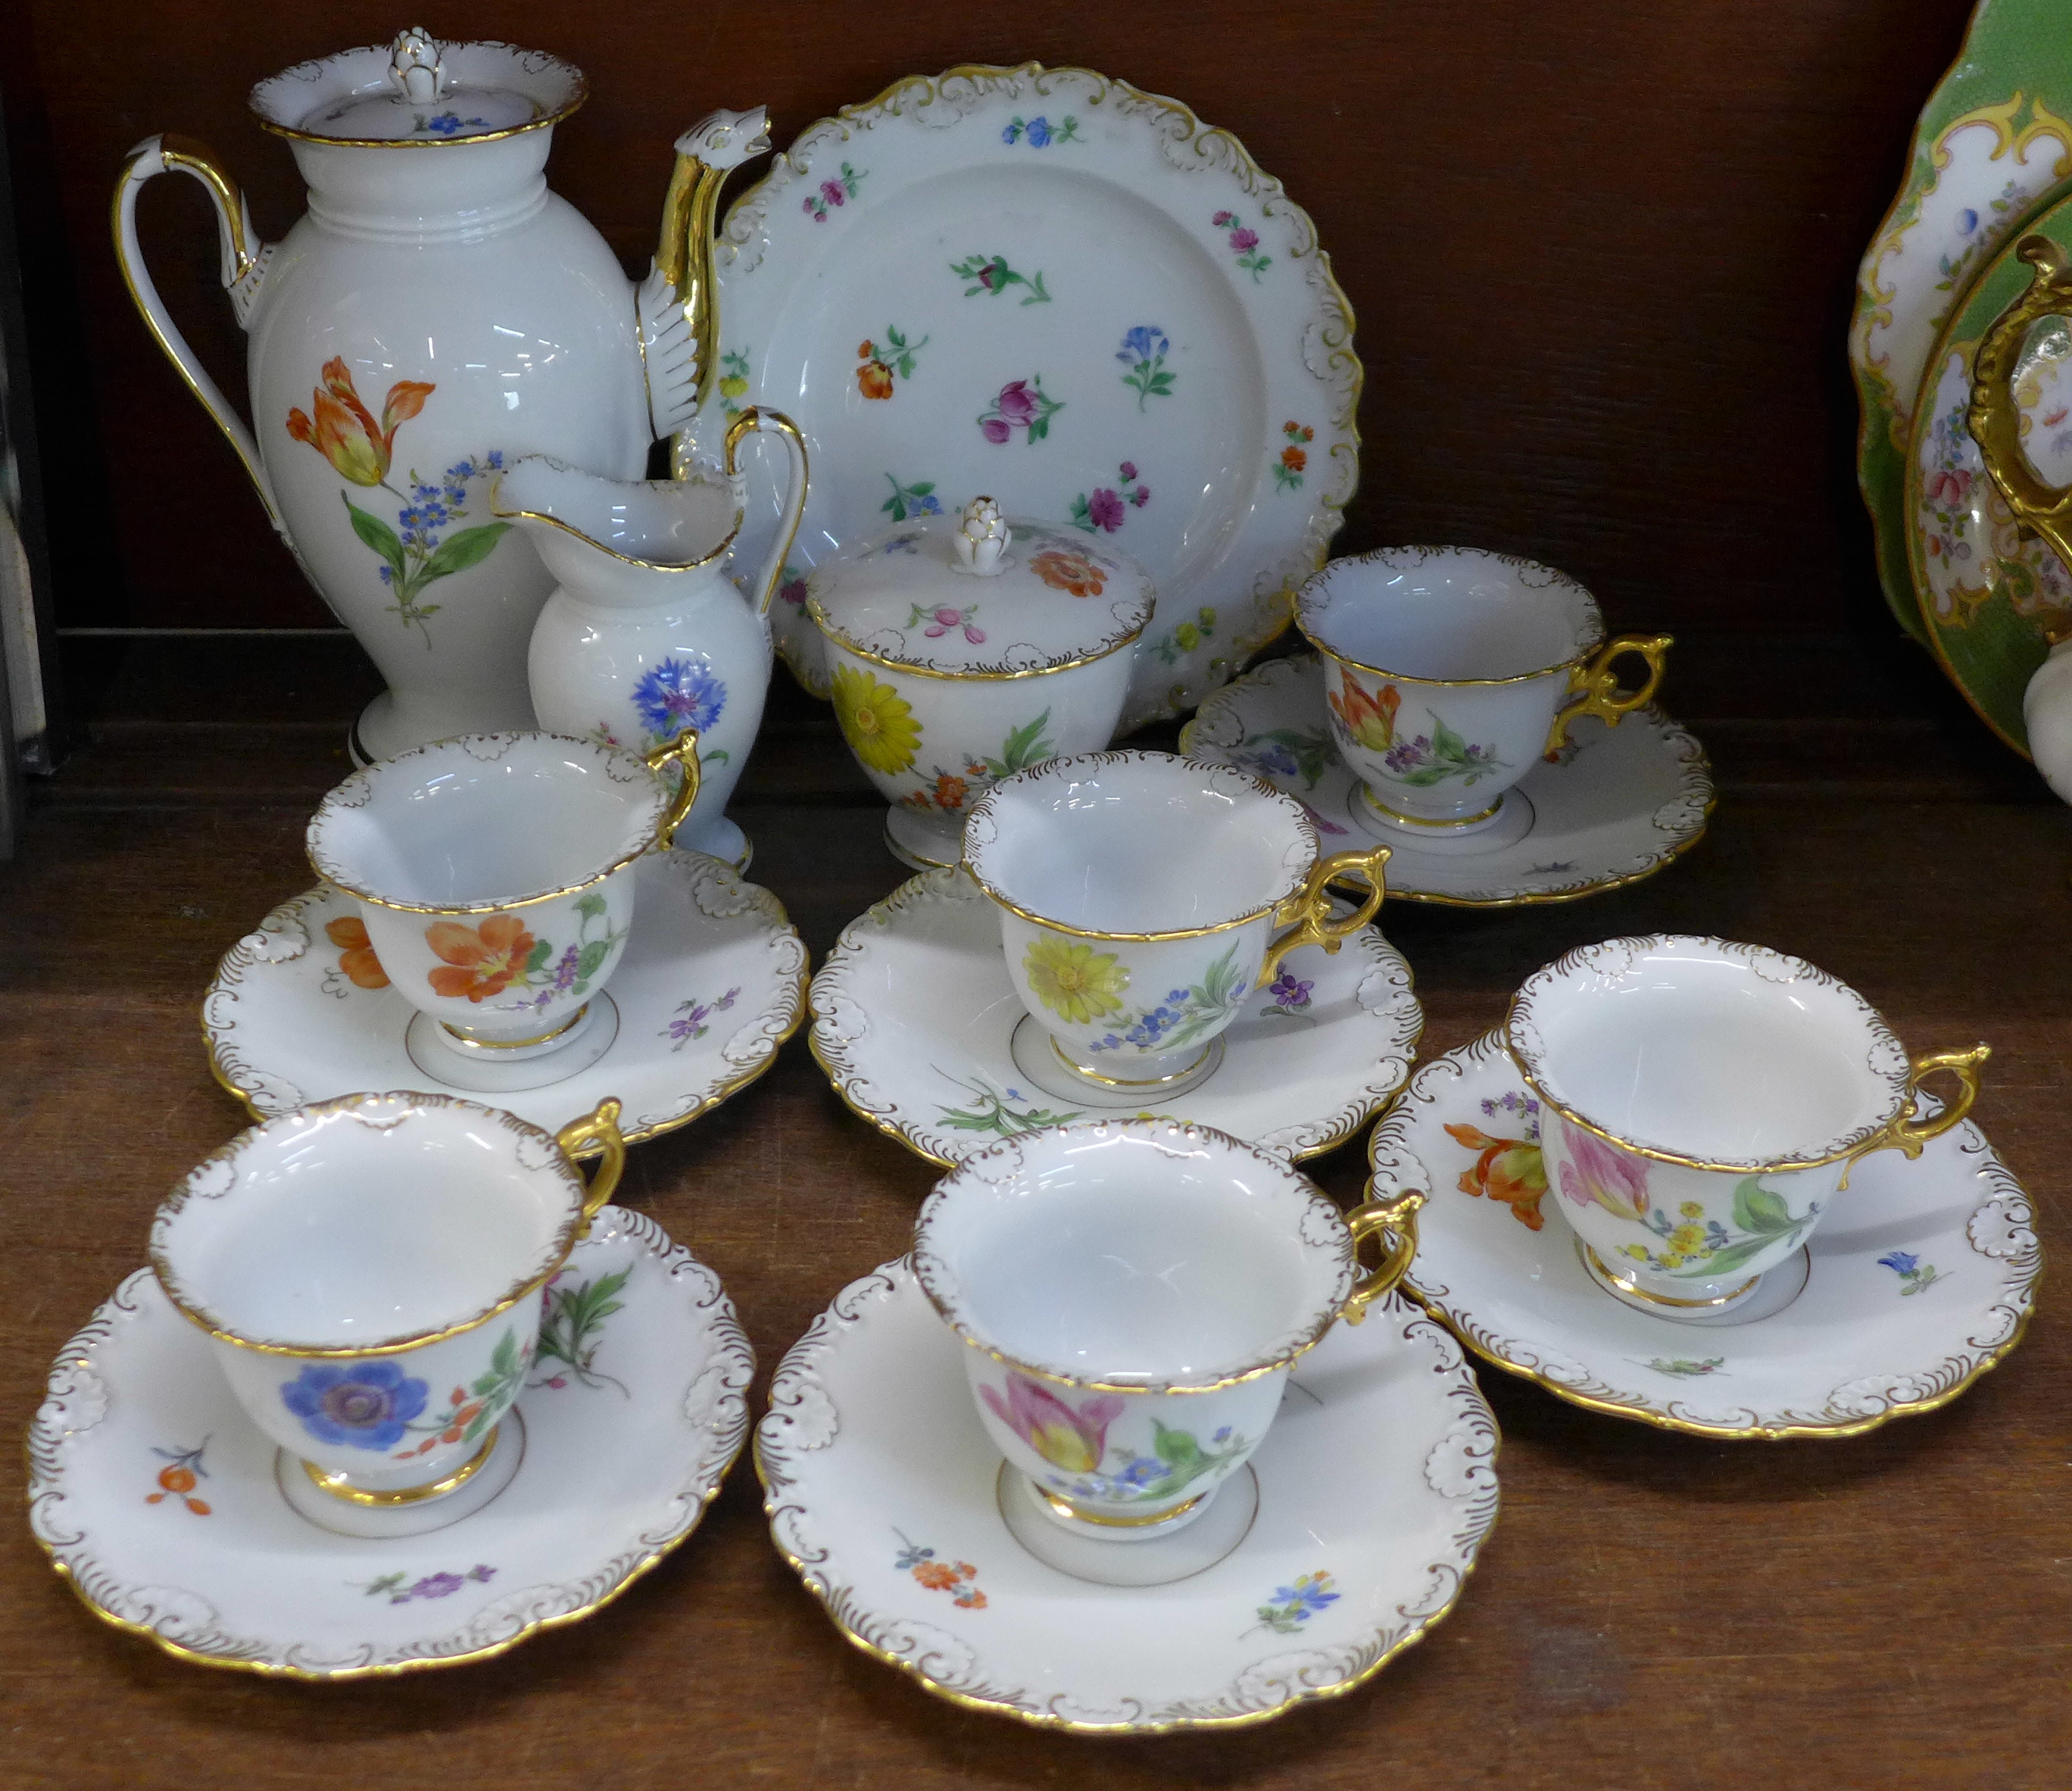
{"x": 712, "y": 983}
{"x": 915, "y": 1022}
{"x": 161, "y": 1504}
{"x": 1375, "y": 1489}
{"x": 1613, "y": 806}
{"x": 1921, "y": 1277}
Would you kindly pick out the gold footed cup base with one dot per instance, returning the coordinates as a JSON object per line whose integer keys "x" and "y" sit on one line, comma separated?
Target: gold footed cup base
{"x": 1683, "y": 1308}
{"x": 332, "y": 1502}
{"x": 1039, "y": 1057}
{"x": 1504, "y": 823}
{"x": 1184, "y": 1540}
{"x": 484, "y": 1069}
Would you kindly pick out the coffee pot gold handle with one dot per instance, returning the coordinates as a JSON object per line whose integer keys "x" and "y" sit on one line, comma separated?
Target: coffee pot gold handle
{"x": 1310, "y": 907}
{"x": 752, "y": 422}
{"x": 245, "y": 260}
{"x": 1994, "y": 418}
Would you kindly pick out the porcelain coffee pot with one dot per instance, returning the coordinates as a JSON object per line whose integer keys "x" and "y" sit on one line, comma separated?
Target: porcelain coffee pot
{"x": 438, "y": 312}
{"x": 645, "y": 635}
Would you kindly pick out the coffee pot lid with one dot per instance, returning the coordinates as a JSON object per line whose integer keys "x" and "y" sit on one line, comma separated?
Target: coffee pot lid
{"x": 417, "y": 91}
{"x": 980, "y": 595}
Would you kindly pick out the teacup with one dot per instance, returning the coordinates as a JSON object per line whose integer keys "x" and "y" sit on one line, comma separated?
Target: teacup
{"x": 1448, "y": 673}
{"x": 495, "y": 878}
{"x": 1132, "y": 1294}
{"x": 1139, "y": 896}
{"x": 1702, "y": 1102}
{"x": 370, "y": 1271}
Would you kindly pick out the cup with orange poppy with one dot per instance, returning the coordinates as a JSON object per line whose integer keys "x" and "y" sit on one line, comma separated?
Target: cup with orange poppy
{"x": 1702, "y": 1103}
{"x": 1144, "y": 901}
{"x": 371, "y": 1271}
{"x": 1131, "y": 1295}
{"x": 1449, "y": 673}
{"x": 495, "y": 875}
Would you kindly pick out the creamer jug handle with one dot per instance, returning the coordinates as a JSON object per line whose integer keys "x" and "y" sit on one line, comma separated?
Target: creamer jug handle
{"x": 245, "y": 262}
{"x": 753, "y": 421}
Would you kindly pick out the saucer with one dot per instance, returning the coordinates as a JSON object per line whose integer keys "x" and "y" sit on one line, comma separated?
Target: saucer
{"x": 1922, "y": 1278}
{"x": 157, "y": 1499}
{"x": 1374, "y": 1489}
{"x": 1620, "y": 804}
{"x": 919, "y": 1029}
{"x": 713, "y": 983}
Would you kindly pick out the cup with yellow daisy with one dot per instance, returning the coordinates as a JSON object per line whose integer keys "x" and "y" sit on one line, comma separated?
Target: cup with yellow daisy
{"x": 1146, "y": 902}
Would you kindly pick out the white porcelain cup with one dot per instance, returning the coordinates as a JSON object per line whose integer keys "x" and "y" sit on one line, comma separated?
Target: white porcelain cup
{"x": 1143, "y": 897}
{"x": 494, "y": 877}
{"x": 1702, "y": 1102}
{"x": 370, "y": 1271}
{"x": 1450, "y": 672}
{"x": 1131, "y": 1294}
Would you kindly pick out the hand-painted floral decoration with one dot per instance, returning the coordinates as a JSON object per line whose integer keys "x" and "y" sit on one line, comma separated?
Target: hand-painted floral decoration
{"x": 1187, "y": 1014}
{"x": 1108, "y": 506}
{"x": 734, "y": 382}
{"x": 1910, "y": 1269}
{"x": 1143, "y": 352}
{"x": 941, "y": 618}
{"x": 357, "y": 959}
{"x": 432, "y": 1585}
{"x": 1597, "y": 1172}
{"x": 1073, "y": 980}
{"x": 1244, "y": 243}
{"x": 1294, "y": 458}
{"x": 1071, "y": 1437}
{"x": 675, "y": 694}
{"x": 501, "y": 953}
{"x": 472, "y": 1409}
{"x": 1682, "y": 1368}
{"x": 883, "y": 359}
{"x": 918, "y": 499}
{"x": 362, "y": 451}
{"x": 692, "y": 1020}
{"x": 1073, "y": 572}
{"x": 992, "y": 1111}
{"x": 831, "y": 195}
{"x": 1509, "y": 1169}
{"x": 955, "y": 1578}
{"x": 444, "y": 124}
{"x": 876, "y": 720}
{"x": 1041, "y": 132}
{"x": 1292, "y": 1606}
{"x": 178, "y": 1478}
{"x": 1368, "y": 720}
{"x": 1186, "y": 636}
{"x": 990, "y": 273}
{"x": 1020, "y": 404}
{"x": 1288, "y": 752}
{"x": 363, "y": 1404}
{"x": 571, "y": 1325}
{"x": 1291, "y": 995}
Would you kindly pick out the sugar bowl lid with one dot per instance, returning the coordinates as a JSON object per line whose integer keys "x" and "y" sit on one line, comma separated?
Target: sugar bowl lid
{"x": 978, "y": 595}
{"x": 416, "y": 92}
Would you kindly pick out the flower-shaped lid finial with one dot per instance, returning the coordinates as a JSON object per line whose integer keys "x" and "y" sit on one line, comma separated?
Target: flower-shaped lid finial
{"x": 980, "y": 541}
{"x": 415, "y": 66}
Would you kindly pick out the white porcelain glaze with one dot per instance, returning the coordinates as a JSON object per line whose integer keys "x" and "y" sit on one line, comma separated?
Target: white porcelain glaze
{"x": 646, "y": 633}
{"x": 1613, "y": 807}
{"x": 1141, "y": 899}
{"x": 1046, "y": 286}
{"x": 1132, "y": 1294}
{"x": 921, "y": 1032}
{"x": 1375, "y": 1490}
{"x": 437, "y": 313}
{"x": 352, "y": 1262}
{"x": 1445, "y": 669}
{"x": 952, "y": 667}
{"x": 1706, "y": 1101}
{"x": 494, "y": 874}
{"x": 710, "y": 984}
{"x": 166, "y": 1508}
{"x": 1923, "y": 1275}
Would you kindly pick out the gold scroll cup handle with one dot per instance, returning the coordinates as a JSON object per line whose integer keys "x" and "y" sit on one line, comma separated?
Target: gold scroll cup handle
{"x": 1309, "y": 908}
{"x": 1593, "y": 684}
{"x": 1905, "y": 1133}
{"x": 1395, "y": 1222}
{"x": 683, "y": 753}
{"x": 596, "y": 1134}
{"x": 1994, "y": 416}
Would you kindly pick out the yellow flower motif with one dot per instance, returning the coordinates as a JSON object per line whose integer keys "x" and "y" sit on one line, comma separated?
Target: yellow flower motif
{"x": 1634, "y": 1250}
{"x": 1687, "y": 1239}
{"x": 876, "y": 720}
{"x": 1073, "y": 980}
{"x": 1691, "y": 1210}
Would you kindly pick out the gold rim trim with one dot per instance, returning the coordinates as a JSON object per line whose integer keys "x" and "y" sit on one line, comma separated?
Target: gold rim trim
{"x": 836, "y": 639}
{"x": 588, "y": 1196}
{"x": 733, "y": 1085}
{"x": 730, "y": 1333}
{"x": 1627, "y": 1284}
{"x": 1151, "y": 1083}
{"x": 1066, "y": 1509}
{"x": 579, "y": 92}
{"x": 330, "y": 806}
{"x": 461, "y": 1038}
{"x": 1372, "y": 800}
{"x": 1569, "y": 664}
{"x": 700, "y": 564}
{"x": 340, "y": 1486}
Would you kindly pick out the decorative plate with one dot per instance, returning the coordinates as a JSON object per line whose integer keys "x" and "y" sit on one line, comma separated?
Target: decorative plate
{"x": 1993, "y": 142}
{"x": 1619, "y": 805}
{"x": 713, "y": 980}
{"x": 1042, "y": 285}
{"x": 1376, "y": 1487}
{"x": 155, "y": 1497}
{"x": 1993, "y": 600}
{"x": 913, "y": 1017}
{"x": 1922, "y": 1278}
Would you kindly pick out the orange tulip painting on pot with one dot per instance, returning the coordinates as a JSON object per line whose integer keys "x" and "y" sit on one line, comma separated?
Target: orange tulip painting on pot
{"x": 416, "y": 552}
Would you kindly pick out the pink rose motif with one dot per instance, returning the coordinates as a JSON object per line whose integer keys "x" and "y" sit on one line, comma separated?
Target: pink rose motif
{"x": 1104, "y": 510}
{"x": 1073, "y": 1440}
{"x": 1951, "y": 488}
{"x": 1015, "y": 404}
{"x": 831, "y": 190}
{"x": 1243, "y": 241}
{"x": 1141, "y": 496}
{"x": 995, "y": 430}
{"x": 793, "y": 592}
{"x": 1601, "y": 1173}
{"x": 1221, "y": 219}
{"x": 1128, "y": 470}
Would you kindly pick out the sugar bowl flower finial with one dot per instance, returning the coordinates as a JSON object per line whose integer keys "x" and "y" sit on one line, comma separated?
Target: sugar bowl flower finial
{"x": 416, "y": 65}
{"x": 981, "y": 538}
